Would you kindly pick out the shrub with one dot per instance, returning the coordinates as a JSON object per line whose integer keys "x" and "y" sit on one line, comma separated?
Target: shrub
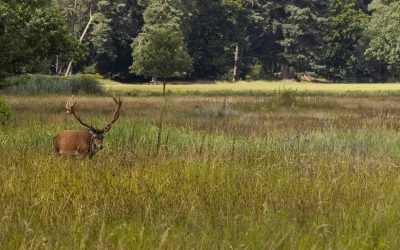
{"x": 15, "y": 80}
{"x": 227, "y": 76}
{"x": 5, "y": 112}
{"x": 90, "y": 70}
{"x": 256, "y": 72}
{"x": 41, "y": 84}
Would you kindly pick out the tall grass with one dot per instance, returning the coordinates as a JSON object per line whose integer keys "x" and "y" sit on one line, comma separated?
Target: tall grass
{"x": 43, "y": 84}
{"x": 225, "y": 183}
{"x": 5, "y": 112}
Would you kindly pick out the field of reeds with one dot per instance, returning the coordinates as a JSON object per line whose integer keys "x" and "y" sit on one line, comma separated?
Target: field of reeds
{"x": 265, "y": 172}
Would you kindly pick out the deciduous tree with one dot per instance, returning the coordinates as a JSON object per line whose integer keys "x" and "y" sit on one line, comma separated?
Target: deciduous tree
{"x": 161, "y": 52}
{"x": 30, "y": 34}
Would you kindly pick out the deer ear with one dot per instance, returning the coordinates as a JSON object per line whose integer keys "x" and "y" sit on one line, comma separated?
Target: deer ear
{"x": 92, "y": 132}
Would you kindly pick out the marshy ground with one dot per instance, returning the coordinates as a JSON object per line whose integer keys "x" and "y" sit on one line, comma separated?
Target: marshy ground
{"x": 260, "y": 172}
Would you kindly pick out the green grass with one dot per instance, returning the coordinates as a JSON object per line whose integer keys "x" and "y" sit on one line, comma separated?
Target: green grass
{"x": 253, "y": 88}
{"x": 45, "y": 84}
{"x": 238, "y": 172}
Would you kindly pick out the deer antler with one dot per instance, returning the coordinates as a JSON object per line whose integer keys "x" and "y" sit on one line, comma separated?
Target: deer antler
{"x": 118, "y": 101}
{"x": 70, "y": 107}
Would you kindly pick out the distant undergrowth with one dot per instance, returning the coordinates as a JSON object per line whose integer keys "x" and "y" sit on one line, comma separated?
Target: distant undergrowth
{"x": 41, "y": 84}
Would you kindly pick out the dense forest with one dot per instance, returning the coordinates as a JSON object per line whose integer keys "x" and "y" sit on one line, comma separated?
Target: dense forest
{"x": 128, "y": 40}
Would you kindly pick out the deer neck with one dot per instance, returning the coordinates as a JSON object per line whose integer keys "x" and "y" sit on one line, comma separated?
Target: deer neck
{"x": 92, "y": 148}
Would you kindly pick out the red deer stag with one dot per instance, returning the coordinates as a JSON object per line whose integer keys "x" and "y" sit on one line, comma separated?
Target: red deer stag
{"x": 83, "y": 142}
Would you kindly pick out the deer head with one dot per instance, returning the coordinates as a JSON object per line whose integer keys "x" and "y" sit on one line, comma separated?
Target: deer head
{"x": 82, "y": 142}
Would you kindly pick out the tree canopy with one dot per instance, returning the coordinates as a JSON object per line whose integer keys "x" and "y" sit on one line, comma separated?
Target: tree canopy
{"x": 383, "y": 34}
{"x": 159, "y": 51}
{"x": 31, "y": 32}
{"x": 224, "y": 39}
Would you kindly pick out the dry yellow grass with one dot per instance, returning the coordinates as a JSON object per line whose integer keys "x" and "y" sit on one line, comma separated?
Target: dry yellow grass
{"x": 267, "y": 86}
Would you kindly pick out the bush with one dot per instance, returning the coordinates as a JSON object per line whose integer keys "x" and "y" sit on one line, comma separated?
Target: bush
{"x": 227, "y": 76}
{"x": 90, "y": 70}
{"x": 15, "y": 80}
{"x": 5, "y": 112}
{"x": 41, "y": 84}
{"x": 256, "y": 72}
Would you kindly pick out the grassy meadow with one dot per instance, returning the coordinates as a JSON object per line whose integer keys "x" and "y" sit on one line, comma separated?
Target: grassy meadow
{"x": 259, "y": 172}
{"x": 254, "y": 88}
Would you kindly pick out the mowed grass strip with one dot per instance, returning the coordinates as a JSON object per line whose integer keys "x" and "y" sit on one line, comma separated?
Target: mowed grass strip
{"x": 252, "y": 87}
{"x": 253, "y": 173}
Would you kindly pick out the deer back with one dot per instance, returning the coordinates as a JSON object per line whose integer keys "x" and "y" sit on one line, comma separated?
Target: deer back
{"x": 73, "y": 142}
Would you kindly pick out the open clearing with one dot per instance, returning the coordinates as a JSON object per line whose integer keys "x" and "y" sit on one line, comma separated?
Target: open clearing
{"x": 254, "y": 86}
{"x": 220, "y": 173}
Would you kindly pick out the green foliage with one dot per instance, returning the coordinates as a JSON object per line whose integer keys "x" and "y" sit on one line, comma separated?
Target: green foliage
{"x": 303, "y": 27}
{"x": 117, "y": 22}
{"x": 159, "y": 12}
{"x": 175, "y": 13}
{"x": 15, "y": 80}
{"x": 345, "y": 29}
{"x": 209, "y": 41}
{"x": 382, "y": 31}
{"x": 102, "y": 38}
{"x": 29, "y": 33}
{"x": 332, "y": 39}
{"x": 41, "y": 84}
{"x": 235, "y": 4}
{"x": 160, "y": 52}
{"x": 5, "y": 112}
{"x": 256, "y": 71}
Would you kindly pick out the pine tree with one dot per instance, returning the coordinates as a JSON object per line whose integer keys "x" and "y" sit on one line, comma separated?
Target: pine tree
{"x": 117, "y": 23}
{"x": 210, "y": 40}
{"x": 345, "y": 29}
{"x": 302, "y": 26}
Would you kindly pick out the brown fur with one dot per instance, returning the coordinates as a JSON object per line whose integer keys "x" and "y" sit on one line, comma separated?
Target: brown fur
{"x": 83, "y": 142}
{"x": 74, "y": 143}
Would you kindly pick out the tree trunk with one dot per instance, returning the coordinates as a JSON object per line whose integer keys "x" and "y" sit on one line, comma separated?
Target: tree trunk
{"x": 286, "y": 72}
{"x": 238, "y": 59}
{"x": 57, "y": 64}
{"x": 164, "y": 85}
{"x": 69, "y": 71}
{"x": 80, "y": 41}
{"x": 74, "y": 16}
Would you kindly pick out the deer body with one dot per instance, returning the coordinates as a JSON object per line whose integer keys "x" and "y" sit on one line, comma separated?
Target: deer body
{"x": 76, "y": 143}
{"x": 83, "y": 142}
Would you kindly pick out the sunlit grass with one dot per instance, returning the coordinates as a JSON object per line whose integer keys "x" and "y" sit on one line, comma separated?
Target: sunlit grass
{"x": 263, "y": 86}
{"x": 238, "y": 172}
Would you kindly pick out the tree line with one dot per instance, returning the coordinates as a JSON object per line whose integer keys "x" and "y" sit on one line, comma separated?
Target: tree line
{"x": 340, "y": 40}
